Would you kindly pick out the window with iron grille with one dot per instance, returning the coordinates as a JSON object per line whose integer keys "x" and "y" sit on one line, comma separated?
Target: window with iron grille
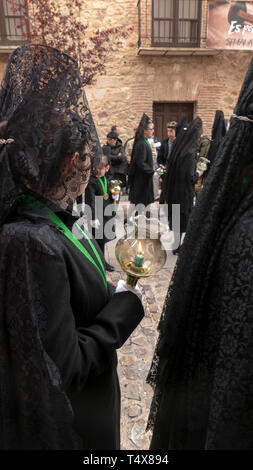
{"x": 176, "y": 23}
{"x": 12, "y": 28}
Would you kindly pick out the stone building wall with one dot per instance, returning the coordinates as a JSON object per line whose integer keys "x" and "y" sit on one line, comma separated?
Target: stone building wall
{"x": 132, "y": 83}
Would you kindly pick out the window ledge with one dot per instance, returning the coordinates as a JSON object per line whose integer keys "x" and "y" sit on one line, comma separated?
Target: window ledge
{"x": 165, "y": 51}
{"x": 7, "y": 49}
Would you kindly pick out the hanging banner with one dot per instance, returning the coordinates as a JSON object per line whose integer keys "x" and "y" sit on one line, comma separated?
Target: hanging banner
{"x": 230, "y": 25}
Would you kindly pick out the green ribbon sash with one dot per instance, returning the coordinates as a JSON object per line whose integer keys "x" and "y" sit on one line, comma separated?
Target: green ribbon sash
{"x": 61, "y": 227}
{"x": 103, "y": 184}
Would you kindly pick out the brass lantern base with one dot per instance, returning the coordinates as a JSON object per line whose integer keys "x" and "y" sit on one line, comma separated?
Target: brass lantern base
{"x": 131, "y": 281}
{"x": 135, "y": 273}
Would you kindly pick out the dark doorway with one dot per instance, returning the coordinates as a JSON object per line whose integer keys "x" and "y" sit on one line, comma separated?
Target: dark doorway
{"x": 165, "y": 112}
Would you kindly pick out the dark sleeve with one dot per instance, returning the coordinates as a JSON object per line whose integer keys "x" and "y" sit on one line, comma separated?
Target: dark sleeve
{"x": 123, "y": 152}
{"x": 161, "y": 158}
{"x": 80, "y": 352}
{"x": 115, "y": 159}
{"x": 43, "y": 296}
{"x": 140, "y": 156}
{"x": 106, "y": 150}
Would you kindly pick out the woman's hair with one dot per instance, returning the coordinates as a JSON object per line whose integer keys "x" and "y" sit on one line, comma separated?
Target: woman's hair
{"x": 100, "y": 162}
{"x": 112, "y": 135}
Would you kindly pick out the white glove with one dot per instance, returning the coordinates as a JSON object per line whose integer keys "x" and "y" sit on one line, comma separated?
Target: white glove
{"x": 95, "y": 224}
{"x": 115, "y": 197}
{"x": 200, "y": 173}
{"x": 123, "y": 287}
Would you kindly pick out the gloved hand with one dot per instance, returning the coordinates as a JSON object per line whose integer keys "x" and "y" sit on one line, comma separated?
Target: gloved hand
{"x": 115, "y": 197}
{"x": 95, "y": 224}
{"x": 200, "y": 173}
{"x": 123, "y": 287}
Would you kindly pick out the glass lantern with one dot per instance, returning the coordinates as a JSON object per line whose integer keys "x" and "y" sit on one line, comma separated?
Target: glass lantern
{"x": 141, "y": 253}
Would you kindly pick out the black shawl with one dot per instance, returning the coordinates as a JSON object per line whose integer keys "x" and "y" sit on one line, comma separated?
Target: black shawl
{"x": 181, "y": 172}
{"x": 202, "y": 369}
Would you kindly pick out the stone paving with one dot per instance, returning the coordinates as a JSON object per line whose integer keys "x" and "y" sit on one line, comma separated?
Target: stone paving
{"x": 136, "y": 355}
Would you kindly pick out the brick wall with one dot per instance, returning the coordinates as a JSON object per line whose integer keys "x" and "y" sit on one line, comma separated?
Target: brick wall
{"x": 133, "y": 82}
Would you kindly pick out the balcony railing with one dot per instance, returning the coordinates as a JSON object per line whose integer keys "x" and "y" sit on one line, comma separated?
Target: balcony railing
{"x": 170, "y": 23}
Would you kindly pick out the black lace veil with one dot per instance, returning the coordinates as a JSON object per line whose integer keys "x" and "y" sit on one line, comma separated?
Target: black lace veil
{"x": 226, "y": 195}
{"x": 180, "y": 164}
{"x": 143, "y": 124}
{"x": 45, "y": 119}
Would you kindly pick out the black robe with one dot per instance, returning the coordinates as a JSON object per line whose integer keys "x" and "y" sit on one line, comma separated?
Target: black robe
{"x": 212, "y": 409}
{"x": 179, "y": 184}
{"x": 59, "y": 333}
{"x": 141, "y": 174}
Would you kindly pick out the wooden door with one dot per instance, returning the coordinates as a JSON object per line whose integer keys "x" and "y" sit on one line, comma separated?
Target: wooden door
{"x": 165, "y": 112}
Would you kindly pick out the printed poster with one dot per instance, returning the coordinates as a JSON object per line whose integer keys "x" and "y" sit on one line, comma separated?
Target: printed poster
{"x": 230, "y": 25}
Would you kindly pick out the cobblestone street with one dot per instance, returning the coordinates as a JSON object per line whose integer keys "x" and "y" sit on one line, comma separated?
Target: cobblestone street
{"x": 136, "y": 354}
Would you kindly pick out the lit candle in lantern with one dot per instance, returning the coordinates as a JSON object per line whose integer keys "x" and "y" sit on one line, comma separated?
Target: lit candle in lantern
{"x": 139, "y": 257}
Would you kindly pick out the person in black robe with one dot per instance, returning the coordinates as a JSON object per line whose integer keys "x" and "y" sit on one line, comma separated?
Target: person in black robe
{"x": 141, "y": 169}
{"x": 202, "y": 370}
{"x": 61, "y": 321}
{"x": 167, "y": 144}
{"x": 181, "y": 175}
{"x": 115, "y": 151}
{"x": 218, "y": 133}
{"x": 98, "y": 186}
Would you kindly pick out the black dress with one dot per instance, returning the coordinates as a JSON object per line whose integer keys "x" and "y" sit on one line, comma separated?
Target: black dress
{"x": 60, "y": 329}
{"x": 179, "y": 184}
{"x": 141, "y": 174}
{"x": 212, "y": 408}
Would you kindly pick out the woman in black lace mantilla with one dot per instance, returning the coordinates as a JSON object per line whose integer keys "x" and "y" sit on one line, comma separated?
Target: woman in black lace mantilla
{"x": 202, "y": 370}
{"x": 61, "y": 321}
